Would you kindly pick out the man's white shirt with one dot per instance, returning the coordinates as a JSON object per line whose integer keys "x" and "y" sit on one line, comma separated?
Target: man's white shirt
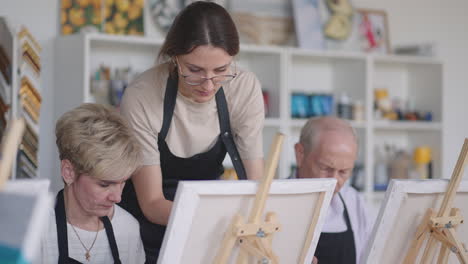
{"x": 358, "y": 216}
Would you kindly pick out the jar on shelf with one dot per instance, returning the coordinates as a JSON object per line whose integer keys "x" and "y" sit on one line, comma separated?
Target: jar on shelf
{"x": 345, "y": 109}
{"x": 382, "y": 104}
{"x": 422, "y": 159}
{"x": 358, "y": 111}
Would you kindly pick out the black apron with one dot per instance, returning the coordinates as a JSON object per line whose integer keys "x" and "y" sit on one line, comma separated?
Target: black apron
{"x": 337, "y": 248}
{"x": 202, "y": 166}
{"x": 62, "y": 240}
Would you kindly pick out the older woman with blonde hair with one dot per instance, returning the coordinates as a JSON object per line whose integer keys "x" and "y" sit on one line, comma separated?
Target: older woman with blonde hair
{"x": 98, "y": 153}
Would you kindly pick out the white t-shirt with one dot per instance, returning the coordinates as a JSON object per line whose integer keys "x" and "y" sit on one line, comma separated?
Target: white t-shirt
{"x": 358, "y": 216}
{"x": 126, "y": 232}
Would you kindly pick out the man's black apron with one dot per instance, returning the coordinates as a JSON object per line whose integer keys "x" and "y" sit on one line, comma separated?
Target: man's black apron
{"x": 62, "y": 239}
{"x": 337, "y": 248}
{"x": 202, "y": 166}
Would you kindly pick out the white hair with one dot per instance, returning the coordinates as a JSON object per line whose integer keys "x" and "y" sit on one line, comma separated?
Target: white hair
{"x": 312, "y": 130}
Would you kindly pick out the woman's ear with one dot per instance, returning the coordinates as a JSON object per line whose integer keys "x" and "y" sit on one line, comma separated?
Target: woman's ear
{"x": 68, "y": 172}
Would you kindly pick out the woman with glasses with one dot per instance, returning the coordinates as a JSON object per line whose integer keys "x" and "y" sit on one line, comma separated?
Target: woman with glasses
{"x": 188, "y": 112}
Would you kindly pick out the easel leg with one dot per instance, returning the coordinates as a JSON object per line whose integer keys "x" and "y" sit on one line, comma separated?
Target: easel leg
{"x": 242, "y": 257}
{"x": 461, "y": 253}
{"x": 266, "y": 246}
{"x": 310, "y": 233}
{"x": 268, "y": 241}
{"x": 443, "y": 255}
{"x": 418, "y": 239}
{"x": 228, "y": 241}
{"x": 247, "y": 247}
{"x": 429, "y": 251}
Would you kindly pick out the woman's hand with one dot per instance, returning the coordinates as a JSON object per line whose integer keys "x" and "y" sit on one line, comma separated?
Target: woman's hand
{"x": 315, "y": 260}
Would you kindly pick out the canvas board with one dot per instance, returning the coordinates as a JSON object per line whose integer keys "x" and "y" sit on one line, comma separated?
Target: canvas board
{"x": 24, "y": 207}
{"x": 404, "y": 206}
{"x": 203, "y": 210}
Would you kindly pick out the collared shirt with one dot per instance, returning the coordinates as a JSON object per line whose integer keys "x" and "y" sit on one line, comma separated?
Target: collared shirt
{"x": 358, "y": 216}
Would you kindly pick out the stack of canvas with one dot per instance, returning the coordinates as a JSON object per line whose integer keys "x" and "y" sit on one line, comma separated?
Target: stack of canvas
{"x": 25, "y": 206}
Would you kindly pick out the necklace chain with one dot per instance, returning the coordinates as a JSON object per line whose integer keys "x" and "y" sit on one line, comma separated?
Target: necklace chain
{"x": 88, "y": 250}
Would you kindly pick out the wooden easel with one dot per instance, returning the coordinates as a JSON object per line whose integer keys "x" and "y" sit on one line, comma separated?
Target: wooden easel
{"x": 440, "y": 227}
{"x": 10, "y": 143}
{"x": 255, "y": 237}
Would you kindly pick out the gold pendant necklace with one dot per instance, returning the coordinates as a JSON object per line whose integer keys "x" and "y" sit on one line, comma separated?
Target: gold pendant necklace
{"x": 88, "y": 250}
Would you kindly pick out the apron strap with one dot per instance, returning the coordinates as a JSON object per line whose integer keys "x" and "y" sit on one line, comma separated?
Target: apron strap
{"x": 62, "y": 239}
{"x": 346, "y": 215}
{"x": 226, "y": 134}
{"x": 170, "y": 96}
{"x": 111, "y": 238}
{"x": 61, "y": 222}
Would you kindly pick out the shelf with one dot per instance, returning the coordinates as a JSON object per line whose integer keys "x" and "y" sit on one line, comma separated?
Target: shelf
{"x": 327, "y": 54}
{"x": 272, "y": 122}
{"x": 408, "y": 125}
{"x": 299, "y": 123}
{"x": 405, "y": 59}
{"x": 115, "y": 39}
{"x": 30, "y": 122}
{"x": 282, "y": 71}
{"x": 246, "y": 48}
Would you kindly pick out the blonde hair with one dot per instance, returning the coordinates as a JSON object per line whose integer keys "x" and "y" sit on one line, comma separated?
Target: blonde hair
{"x": 312, "y": 130}
{"x": 98, "y": 142}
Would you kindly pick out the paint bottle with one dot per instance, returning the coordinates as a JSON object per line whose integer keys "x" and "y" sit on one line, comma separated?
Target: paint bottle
{"x": 381, "y": 170}
{"x": 344, "y": 107}
{"x": 422, "y": 159}
{"x": 358, "y": 111}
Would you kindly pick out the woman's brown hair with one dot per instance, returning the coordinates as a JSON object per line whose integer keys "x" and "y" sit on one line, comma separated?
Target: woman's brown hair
{"x": 200, "y": 23}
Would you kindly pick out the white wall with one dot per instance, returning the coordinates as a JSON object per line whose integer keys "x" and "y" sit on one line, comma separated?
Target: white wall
{"x": 442, "y": 22}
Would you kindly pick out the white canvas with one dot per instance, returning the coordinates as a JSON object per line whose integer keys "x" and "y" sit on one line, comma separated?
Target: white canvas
{"x": 25, "y": 210}
{"x": 202, "y": 212}
{"x": 406, "y": 202}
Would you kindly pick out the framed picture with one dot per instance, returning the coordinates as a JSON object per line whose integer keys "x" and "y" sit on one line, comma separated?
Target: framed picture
{"x": 163, "y": 12}
{"x": 373, "y": 30}
{"x": 263, "y": 22}
{"x": 111, "y": 17}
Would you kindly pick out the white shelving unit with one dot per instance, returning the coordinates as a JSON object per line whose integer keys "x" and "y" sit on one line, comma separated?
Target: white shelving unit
{"x": 283, "y": 71}
{"x": 25, "y": 53}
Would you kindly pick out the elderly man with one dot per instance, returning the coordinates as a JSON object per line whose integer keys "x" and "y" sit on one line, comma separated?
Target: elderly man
{"x": 328, "y": 149}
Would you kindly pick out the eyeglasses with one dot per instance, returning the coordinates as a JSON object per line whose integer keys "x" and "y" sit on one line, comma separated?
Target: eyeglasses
{"x": 199, "y": 80}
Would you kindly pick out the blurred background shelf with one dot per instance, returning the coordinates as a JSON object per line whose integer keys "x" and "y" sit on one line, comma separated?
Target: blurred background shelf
{"x": 283, "y": 72}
